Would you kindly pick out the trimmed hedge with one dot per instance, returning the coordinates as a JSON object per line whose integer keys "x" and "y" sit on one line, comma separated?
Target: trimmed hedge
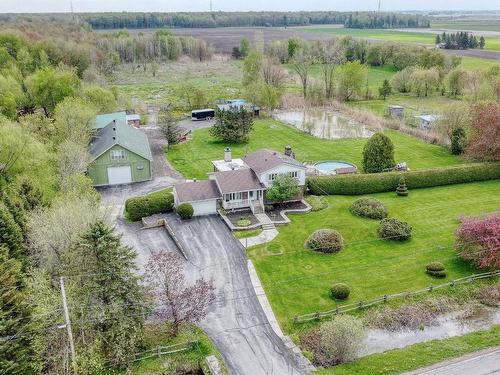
{"x": 436, "y": 269}
{"x": 151, "y": 204}
{"x": 185, "y": 211}
{"x": 340, "y": 291}
{"x": 394, "y": 230}
{"x": 358, "y": 184}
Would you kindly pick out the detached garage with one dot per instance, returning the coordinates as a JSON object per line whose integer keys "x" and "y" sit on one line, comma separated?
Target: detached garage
{"x": 120, "y": 155}
{"x": 202, "y": 195}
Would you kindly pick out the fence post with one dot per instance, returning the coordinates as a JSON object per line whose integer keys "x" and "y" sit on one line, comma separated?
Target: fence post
{"x": 337, "y": 309}
{"x": 385, "y": 298}
{"x": 158, "y": 351}
{"x": 431, "y": 287}
{"x": 317, "y": 316}
{"x": 360, "y": 306}
{"x": 295, "y": 319}
{"x": 452, "y": 282}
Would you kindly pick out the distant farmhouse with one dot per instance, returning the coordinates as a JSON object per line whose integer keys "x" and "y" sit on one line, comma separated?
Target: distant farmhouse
{"x": 120, "y": 153}
{"x": 427, "y": 121}
{"x": 240, "y": 183}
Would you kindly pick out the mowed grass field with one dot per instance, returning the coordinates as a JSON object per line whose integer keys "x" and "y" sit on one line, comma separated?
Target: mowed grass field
{"x": 193, "y": 158}
{"x": 297, "y": 280}
{"x": 476, "y": 25}
{"x": 492, "y": 42}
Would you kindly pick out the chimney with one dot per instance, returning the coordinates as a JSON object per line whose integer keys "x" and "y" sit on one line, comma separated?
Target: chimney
{"x": 227, "y": 155}
{"x": 289, "y": 152}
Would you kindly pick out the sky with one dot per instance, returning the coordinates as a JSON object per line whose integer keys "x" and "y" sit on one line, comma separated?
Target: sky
{"x": 22, "y": 6}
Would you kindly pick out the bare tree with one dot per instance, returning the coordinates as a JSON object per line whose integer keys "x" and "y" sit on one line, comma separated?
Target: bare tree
{"x": 332, "y": 54}
{"x": 178, "y": 303}
{"x": 74, "y": 158}
{"x": 301, "y": 63}
{"x": 273, "y": 74}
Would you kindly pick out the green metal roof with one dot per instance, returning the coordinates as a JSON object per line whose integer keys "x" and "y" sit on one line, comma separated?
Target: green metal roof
{"x": 102, "y": 120}
{"x": 118, "y": 133}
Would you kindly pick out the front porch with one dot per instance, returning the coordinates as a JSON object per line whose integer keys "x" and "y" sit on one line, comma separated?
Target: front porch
{"x": 253, "y": 200}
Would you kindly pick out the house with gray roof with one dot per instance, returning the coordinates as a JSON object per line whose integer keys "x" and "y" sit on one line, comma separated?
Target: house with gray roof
{"x": 240, "y": 184}
{"x": 120, "y": 155}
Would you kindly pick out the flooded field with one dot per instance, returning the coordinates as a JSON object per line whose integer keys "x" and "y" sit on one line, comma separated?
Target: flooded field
{"x": 448, "y": 325}
{"x": 325, "y": 124}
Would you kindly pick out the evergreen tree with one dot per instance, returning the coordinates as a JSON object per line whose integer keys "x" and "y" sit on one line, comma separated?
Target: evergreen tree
{"x": 482, "y": 42}
{"x": 385, "y": 89}
{"x": 169, "y": 126}
{"x": 15, "y": 348}
{"x": 458, "y": 141}
{"x": 10, "y": 233}
{"x": 233, "y": 125}
{"x": 112, "y": 298}
{"x": 378, "y": 154}
{"x": 402, "y": 190}
{"x": 244, "y": 47}
{"x": 438, "y": 39}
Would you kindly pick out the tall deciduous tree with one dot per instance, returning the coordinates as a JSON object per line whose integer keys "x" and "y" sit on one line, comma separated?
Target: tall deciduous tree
{"x": 11, "y": 235}
{"x": 252, "y": 68}
{"x": 332, "y": 55}
{"x": 301, "y": 63}
{"x": 484, "y": 143}
{"x": 352, "y": 78}
{"x": 177, "y": 302}
{"x": 454, "y": 116}
{"x": 233, "y": 125}
{"x": 284, "y": 187}
{"x": 385, "y": 90}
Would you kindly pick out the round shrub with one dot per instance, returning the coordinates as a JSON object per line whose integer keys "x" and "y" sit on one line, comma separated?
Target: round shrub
{"x": 394, "y": 229}
{"x": 436, "y": 269}
{"x": 185, "y": 211}
{"x": 325, "y": 241}
{"x": 340, "y": 291}
{"x": 369, "y": 207}
{"x": 244, "y": 222}
{"x": 151, "y": 204}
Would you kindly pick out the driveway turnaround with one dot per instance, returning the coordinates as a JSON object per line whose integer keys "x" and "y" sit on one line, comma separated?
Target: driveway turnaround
{"x": 236, "y": 322}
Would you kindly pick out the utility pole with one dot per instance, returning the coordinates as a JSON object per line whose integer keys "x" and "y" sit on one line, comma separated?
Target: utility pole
{"x": 68, "y": 324}
{"x": 211, "y": 7}
{"x": 379, "y": 1}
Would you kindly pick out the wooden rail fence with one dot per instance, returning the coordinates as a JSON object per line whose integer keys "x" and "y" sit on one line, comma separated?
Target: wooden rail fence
{"x": 363, "y": 304}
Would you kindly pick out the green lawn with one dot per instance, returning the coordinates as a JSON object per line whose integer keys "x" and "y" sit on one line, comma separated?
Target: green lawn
{"x": 419, "y": 355}
{"x": 193, "y": 158}
{"x": 297, "y": 281}
{"x": 492, "y": 43}
{"x": 247, "y": 233}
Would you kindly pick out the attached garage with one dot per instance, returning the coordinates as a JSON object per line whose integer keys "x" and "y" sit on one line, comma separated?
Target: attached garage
{"x": 202, "y": 195}
{"x": 121, "y": 155}
{"x": 119, "y": 175}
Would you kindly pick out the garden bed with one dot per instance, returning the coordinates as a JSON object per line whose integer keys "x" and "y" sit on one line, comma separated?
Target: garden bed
{"x": 277, "y": 214}
{"x": 238, "y": 217}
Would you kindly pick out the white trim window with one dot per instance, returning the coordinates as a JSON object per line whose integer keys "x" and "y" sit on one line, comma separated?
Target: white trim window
{"x": 117, "y": 154}
{"x": 272, "y": 176}
{"x": 294, "y": 174}
{"x": 234, "y": 197}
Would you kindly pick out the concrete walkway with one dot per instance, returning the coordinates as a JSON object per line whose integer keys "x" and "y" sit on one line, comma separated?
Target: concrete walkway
{"x": 265, "y": 236}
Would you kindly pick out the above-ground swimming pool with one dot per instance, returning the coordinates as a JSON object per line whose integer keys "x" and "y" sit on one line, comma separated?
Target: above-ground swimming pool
{"x": 330, "y": 166}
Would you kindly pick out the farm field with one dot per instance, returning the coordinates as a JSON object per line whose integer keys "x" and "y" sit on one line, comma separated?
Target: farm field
{"x": 297, "y": 280}
{"x": 475, "y": 25}
{"x": 492, "y": 42}
{"x": 193, "y": 158}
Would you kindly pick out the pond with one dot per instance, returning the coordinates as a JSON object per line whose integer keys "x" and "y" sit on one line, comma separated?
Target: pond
{"x": 324, "y": 123}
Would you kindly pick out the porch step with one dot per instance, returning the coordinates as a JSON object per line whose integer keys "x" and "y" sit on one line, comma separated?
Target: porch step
{"x": 268, "y": 226}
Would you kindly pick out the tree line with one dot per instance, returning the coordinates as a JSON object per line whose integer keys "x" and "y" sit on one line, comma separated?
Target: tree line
{"x": 253, "y": 19}
{"x": 459, "y": 40}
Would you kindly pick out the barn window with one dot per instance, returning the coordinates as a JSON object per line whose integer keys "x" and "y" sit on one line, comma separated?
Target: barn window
{"x": 117, "y": 154}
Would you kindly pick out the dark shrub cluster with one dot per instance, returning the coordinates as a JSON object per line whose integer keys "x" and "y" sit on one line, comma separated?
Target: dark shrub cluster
{"x": 185, "y": 211}
{"x": 436, "y": 269}
{"x": 340, "y": 291}
{"x": 358, "y": 184}
{"x": 325, "y": 241}
{"x": 394, "y": 229}
{"x": 370, "y": 208}
{"x": 151, "y": 204}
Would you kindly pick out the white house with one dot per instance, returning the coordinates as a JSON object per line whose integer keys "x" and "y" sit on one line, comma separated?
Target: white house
{"x": 427, "y": 121}
{"x": 240, "y": 183}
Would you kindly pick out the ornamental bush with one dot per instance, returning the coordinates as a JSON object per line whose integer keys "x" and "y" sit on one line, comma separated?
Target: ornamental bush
{"x": 378, "y": 154}
{"x": 477, "y": 241}
{"x": 357, "y": 184}
{"x": 394, "y": 229}
{"x": 436, "y": 269}
{"x": 370, "y": 208}
{"x": 325, "y": 241}
{"x": 185, "y": 211}
{"x": 402, "y": 190}
{"x": 340, "y": 291}
{"x": 151, "y": 204}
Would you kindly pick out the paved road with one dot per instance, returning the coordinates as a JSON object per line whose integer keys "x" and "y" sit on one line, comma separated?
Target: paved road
{"x": 480, "y": 363}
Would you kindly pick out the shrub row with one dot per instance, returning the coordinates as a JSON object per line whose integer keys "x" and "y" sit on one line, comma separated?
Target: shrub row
{"x": 147, "y": 205}
{"x": 381, "y": 182}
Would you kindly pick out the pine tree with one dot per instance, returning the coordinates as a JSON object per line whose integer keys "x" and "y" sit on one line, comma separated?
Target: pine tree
{"x": 458, "y": 141}
{"x": 482, "y": 42}
{"x": 15, "y": 348}
{"x": 438, "y": 39}
{"x": 385, "y": 89}
{"x": 113, "y": 294}
{"x": 10, "y": 233}
{"x": 402, "y": 190}
{"x": 378, "y": 154}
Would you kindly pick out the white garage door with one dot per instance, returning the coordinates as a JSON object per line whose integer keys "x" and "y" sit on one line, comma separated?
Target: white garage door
{"x": 119, "y": 175}
{"x": 204, "y": 208}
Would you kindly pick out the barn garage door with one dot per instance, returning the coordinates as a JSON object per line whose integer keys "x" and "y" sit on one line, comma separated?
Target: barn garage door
{"x": 119, "y": 175}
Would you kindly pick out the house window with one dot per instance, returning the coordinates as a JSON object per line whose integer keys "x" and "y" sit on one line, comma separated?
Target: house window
{"x": 294, "y": 174}
{"x": 117, "y": 154}
{"x": 272, "y": 176}
{"x": 234, "y": 197}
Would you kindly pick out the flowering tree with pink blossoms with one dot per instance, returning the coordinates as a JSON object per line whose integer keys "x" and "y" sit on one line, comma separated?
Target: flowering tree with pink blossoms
{"x": 478, "y": 241}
